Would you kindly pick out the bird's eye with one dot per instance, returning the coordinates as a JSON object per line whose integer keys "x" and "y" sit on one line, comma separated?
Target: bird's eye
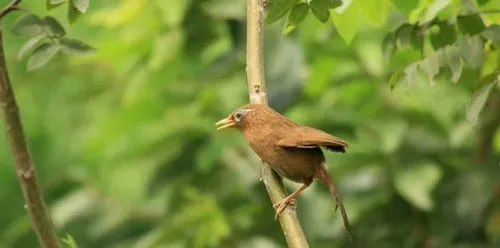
{"x": 238, "y": 116}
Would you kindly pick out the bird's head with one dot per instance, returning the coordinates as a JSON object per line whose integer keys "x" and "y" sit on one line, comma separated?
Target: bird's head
{"x": 242, "y": 117}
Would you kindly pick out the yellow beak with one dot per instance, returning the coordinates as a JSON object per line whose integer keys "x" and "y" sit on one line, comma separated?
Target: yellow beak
{"x": 225, "y": 123}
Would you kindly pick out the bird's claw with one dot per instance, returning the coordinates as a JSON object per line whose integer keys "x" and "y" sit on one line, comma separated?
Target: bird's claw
{"x": 280, "y": 206}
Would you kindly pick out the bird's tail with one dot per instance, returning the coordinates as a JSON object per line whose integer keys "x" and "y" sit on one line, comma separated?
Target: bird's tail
{"x": 322, "y": 175}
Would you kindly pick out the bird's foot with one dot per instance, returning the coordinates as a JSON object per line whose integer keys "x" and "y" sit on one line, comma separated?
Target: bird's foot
{"x": 280, "y": 206}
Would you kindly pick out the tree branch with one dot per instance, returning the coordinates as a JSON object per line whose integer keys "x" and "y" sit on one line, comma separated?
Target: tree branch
{"x": 22, "y": 160}
{"x": 10, "y": 7}
{"x": 257, "y": 92}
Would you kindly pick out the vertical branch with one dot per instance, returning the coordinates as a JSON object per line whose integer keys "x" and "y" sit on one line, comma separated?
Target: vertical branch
{"x": 23, "y": 164}
{"x": 257, "y": 91}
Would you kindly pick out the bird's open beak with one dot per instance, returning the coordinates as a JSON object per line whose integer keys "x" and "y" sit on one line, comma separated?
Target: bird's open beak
{"x": 225, "y": 123}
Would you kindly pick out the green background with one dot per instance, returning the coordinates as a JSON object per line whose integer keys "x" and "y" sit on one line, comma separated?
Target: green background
{"x": 127, "y": 154}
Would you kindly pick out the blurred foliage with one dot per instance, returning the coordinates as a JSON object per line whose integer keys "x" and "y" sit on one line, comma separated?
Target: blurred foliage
{"x": 127, "y": 154}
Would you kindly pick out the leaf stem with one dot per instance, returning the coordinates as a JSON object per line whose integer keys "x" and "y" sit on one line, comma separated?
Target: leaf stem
{"x": 289, "y": 222}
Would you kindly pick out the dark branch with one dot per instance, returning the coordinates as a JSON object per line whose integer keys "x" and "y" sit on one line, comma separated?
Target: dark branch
{"x": 10, "y": 7}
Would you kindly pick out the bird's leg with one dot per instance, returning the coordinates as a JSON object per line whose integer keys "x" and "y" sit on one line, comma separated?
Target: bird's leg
{"x": 289, "y": 199}
{"x": 292, "y": 203}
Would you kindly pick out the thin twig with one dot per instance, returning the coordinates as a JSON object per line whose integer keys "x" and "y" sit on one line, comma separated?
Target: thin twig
{"x": 257, "y": 91}
{"x": 10, "y": 7}
{"x": 25, "y": 171}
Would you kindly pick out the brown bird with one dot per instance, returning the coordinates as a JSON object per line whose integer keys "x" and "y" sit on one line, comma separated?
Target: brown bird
{"x": 292, "y": 150}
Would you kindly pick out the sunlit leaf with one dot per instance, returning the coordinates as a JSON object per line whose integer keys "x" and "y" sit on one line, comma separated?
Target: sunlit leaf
{"x": 297, "y": 14}
{"x": 73, "y": 46}
{"x": 81, "y": 5}
{"x": 69, "y": 241}
{"x": 42, "y": 55}
{"x": 434, "y": 9}
{"x": 28, "y": 24}
{"x": 471, "y": 51}
{"x": 278, "y": 9}
{"x": 30, "y": 45}
{"x": 454, "y": 62}
{"x": 375, "y": 11}
{"x": 54, "y": 26}
{"x": 411, "y": 73}
{"x": 347, "y": 22}
{"x": 493, "y": 33}
{"x": 430, "y": 66}
{"x": 416, "y": 183}
{"x": 477, "y": 102}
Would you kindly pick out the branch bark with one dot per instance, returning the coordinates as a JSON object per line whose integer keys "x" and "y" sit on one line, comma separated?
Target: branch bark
{"x": 289, "y": 222}
{"x": 22, "y": 160}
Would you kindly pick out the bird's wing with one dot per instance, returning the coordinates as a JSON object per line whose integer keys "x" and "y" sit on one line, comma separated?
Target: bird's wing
{"x": 306, "y": 137}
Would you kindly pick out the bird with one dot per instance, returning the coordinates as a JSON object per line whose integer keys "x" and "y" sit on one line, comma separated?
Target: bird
{"x": 292, "y": 150}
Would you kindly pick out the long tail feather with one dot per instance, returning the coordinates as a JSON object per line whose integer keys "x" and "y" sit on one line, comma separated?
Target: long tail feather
{"x": 325, "y": 178}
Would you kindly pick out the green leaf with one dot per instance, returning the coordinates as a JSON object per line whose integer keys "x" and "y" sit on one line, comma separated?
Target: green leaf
{"x": 417, "y": 38}
{"x": 76, "y": 47}
{"x": 471, "y": 51}
{"x": 297, "y": 14}
{"x": 389, "y": 46}
{"x": 55, "y": 28}
{"x": 375, "y": 11}
{"x": 416, "y": 183}
{"x": 30, "y": 45}
{"x": 347, "y": 22}
{"x": 28, "y": 24}
{"x": 430, "y": 66}
{"x": 493, "y": 33}
{"x": 70, "y": 241}
{"x": 81, "y": 5}
{"x": 478, "y": 101}
{"x": 411, "y": 73}
{"x": 407, "y": 6}
{"x": 434, "y": 9}
{"x": 395, "y": 79}
{"x": 332, "y": 4}
{"x": 320, "y": 9}
{"x": 278, "y": 9}
{"x": 42, "y": 55}
{"x": 404, "y": 34}
{"x": 446, "y": 35}
{"x": 470, "y": 24}
{"x": 454, "y": 62}
{"x": 482, "y": 2}
{"x": 73, "y": 14}
{"x": 50, "y": 4}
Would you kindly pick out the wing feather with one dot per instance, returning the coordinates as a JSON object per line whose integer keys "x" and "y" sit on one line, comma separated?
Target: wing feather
{"x": 306, "y": 137}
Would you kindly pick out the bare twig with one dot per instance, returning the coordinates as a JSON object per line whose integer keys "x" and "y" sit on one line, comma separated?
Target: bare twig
{"x": 10, "y": 7}
{"x": 257, "y": 91}
{"x": 22, "y": 160}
